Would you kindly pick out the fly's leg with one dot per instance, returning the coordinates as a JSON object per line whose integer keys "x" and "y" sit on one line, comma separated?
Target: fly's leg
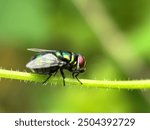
{"x": 50, "y": 74}
{"x": 47, "y": 78}
{"x": 55, "y": 73}
{"x": 75, "y": 75}
{"x": 62, "y": 74}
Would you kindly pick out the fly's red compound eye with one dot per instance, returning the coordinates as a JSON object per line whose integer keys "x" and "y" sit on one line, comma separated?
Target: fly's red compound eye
{"x": 81, "y": 61}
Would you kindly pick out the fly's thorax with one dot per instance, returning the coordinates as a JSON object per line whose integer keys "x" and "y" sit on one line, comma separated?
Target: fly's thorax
{"x": 70, "y": 58}
{"x": 63, "y": 55}
{"x": 73, "y": 60}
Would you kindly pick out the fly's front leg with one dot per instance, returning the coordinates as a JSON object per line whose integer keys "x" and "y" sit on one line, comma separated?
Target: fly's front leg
{"x": 76, "y": 76}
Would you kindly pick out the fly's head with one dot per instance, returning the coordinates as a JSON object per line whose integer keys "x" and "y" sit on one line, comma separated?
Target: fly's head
{"x": 81, "y": 64}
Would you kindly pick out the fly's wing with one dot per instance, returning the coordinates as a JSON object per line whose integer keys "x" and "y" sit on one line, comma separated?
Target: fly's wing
{"x": 40, "y": 50}
{"x": 45, "y": 61}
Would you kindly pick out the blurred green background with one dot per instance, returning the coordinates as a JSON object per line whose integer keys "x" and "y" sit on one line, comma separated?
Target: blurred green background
{"x": 113, "y": 35}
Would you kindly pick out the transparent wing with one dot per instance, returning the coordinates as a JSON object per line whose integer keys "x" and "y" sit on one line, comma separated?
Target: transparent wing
{"x": 40, "y": 50}
{"x": 44, "y": 61}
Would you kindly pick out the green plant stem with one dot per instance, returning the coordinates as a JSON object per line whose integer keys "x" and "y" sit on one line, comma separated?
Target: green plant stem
{"x": 25, "y": 76}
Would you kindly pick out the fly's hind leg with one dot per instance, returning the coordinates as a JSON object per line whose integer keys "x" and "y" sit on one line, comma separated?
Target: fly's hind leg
{"x": 52, "y": 71}
{"x": 47, "y": 78}
{"x": 55, "y": 72}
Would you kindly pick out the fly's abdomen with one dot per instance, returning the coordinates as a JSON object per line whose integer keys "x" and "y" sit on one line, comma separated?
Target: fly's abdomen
{"x": 46, "y": 70}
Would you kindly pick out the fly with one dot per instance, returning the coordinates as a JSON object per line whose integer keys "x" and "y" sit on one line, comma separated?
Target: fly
{"x": 49, "y": 62}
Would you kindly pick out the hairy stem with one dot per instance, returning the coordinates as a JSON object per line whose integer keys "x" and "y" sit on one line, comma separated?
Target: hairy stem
{"x": 130, "y": 84}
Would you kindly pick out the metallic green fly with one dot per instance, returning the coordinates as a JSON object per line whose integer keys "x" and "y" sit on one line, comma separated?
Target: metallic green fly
{"x": 50, "y": 61}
